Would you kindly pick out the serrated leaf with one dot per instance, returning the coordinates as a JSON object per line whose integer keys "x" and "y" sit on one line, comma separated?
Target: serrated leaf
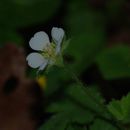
{"x": 56, "y": 122}
{"x": 86, "y": 99}
{"x": 75, "y": 113}
{"x": 102, "y": 125}
{"x": 96, "y": 93}
{"x": 115, "y": 108}
{"x": 121, "y": 109}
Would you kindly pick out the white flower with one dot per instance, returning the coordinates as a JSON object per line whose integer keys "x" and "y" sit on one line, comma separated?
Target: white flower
{"x": 47, "y": 51}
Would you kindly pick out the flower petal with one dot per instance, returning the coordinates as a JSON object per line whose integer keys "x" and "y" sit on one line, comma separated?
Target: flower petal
{"x": 42, "y": 67}
{"x": 57, "y": 35}
{"x": 58, "y": 48}
{"x": 35, "y": 60}
{"x": 39, "y": 41}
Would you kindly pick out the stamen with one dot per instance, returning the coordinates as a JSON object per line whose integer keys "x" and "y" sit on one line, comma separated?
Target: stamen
{"x": 49, "y": 52}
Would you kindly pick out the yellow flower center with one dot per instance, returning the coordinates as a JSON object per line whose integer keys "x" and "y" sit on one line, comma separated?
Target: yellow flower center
{"x": 49, "y": 52}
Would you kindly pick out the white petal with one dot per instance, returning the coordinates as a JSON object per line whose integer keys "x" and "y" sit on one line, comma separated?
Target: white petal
{"x": 57, "y": 34}
{"x": 39, "y": 41}
{"x": 35, "y": 60}
{"x": 58, "y": 49}
{"x": 42, "y": 67}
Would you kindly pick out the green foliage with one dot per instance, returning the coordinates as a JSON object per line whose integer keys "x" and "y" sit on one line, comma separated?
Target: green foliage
{"x": 72, "y": 105}
{"x": 121, "y": 109}
{"x": 76, "y": 127}
{"x": 114, "y": 62}
{"x": 82, "y": 19}
{"x": 56, "y": 80}
{"x": 88, "y": 37}
{"x": 19, "y": 13}
{"x": 81, "y": 48}
{"x": 87, "y": 99}
{"x": 102, "y": 125}
{"x": 77, "y": 109}
{"x": 75, "y": 113}
{"x": 57, "y": 122}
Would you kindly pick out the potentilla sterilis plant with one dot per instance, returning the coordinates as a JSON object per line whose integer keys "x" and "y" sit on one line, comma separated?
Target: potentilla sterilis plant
{"x": 47, "y": 52}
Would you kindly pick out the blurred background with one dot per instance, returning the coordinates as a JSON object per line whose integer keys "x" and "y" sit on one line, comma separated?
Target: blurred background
{"x": 98, "y": 53}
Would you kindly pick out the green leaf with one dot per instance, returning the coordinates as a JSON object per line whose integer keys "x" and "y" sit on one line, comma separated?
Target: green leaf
{"x": 81, "y": 19}
{"x": 121, "y": 109}
{"x": 86, "y": 99}
{"x": 56, "y": 122}
{"x": 87, "y": 28}
{"x": 83, "y": 50}
{"x": 76, "y": 127}
{"x": 71, "y": 128}
{"x": 94, "y": 90}
{"x": 115, "y": 108}
{"x": 115, "y": 62}
{"x": 75, "y": 112}
{"x": 102, "y": 125}
{"x": 53, "y": 80}
{"x": 56, "y": 77}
